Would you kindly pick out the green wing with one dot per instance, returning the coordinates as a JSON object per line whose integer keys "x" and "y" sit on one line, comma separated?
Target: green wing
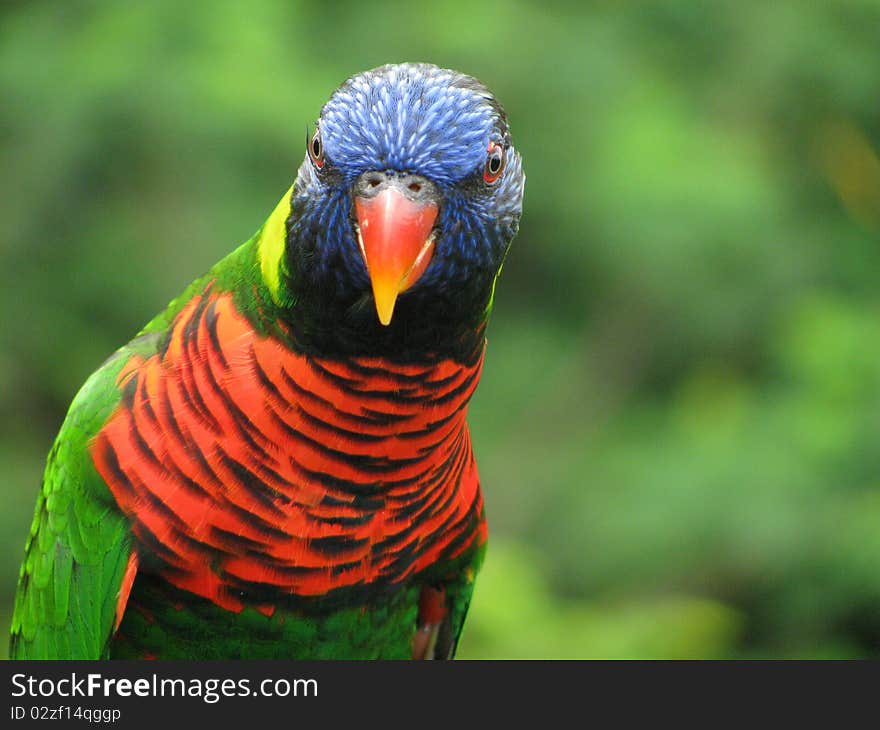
{"x": 459, "y": 594}
{"x": 79, "y": 543}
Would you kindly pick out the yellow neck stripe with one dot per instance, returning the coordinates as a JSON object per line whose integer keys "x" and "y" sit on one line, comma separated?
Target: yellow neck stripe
{"x": 272, "y": 243}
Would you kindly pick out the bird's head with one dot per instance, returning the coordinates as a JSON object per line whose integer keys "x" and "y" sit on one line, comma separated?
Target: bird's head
{"x": 400, "y": 216}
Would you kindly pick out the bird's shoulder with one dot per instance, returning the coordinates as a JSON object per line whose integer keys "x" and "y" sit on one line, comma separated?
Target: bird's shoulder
{"x": 78, "y": 544}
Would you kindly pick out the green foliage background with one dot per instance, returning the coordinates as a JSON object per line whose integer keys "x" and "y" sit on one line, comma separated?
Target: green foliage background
{"x": 678, "y": 422}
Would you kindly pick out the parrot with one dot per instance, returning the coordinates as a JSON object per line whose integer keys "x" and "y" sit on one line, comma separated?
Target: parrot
{"x": 279, "y": 465}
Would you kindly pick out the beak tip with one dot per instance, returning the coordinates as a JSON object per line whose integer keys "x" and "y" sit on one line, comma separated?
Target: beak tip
{"x": 384, "y": 307}
{"x": 385, "y": 315}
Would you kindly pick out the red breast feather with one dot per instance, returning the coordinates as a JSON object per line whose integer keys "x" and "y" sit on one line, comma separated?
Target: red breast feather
{"x": 254, "y": 475}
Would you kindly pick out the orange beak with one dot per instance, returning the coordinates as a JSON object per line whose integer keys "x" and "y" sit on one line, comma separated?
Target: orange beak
{"x": 395, "y": 238}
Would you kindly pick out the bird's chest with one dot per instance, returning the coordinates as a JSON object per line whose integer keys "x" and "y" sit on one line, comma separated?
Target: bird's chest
{"x": 258, "y": 477}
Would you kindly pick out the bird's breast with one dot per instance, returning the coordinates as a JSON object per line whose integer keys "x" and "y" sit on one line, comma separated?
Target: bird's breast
{"x": 256, "y": 475}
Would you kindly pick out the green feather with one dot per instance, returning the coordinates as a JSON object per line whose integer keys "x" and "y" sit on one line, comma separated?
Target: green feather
{"x": 63, "y": 573}
{"x": 65, "y": 604}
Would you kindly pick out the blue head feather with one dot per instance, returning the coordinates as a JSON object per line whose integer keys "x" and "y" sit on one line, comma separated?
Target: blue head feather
{"x": 413, "y": 118}
{"x": 410, "y": 118}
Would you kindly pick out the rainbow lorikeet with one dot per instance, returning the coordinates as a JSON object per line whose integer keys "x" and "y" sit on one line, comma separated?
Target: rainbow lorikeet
{"x": 278, "y": 465}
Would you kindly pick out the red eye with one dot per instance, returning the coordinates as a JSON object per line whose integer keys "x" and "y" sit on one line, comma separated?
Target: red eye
{"x": 316, "y": 149}
{"x": 494, "y": 163}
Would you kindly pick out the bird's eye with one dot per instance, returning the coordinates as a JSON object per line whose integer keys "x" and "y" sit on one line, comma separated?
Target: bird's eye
{"x": 316, "y": 149}
{"x": 494, "y": 163}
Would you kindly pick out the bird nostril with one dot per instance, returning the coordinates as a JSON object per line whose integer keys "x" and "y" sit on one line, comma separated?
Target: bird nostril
{"x": 371, "y": 182}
